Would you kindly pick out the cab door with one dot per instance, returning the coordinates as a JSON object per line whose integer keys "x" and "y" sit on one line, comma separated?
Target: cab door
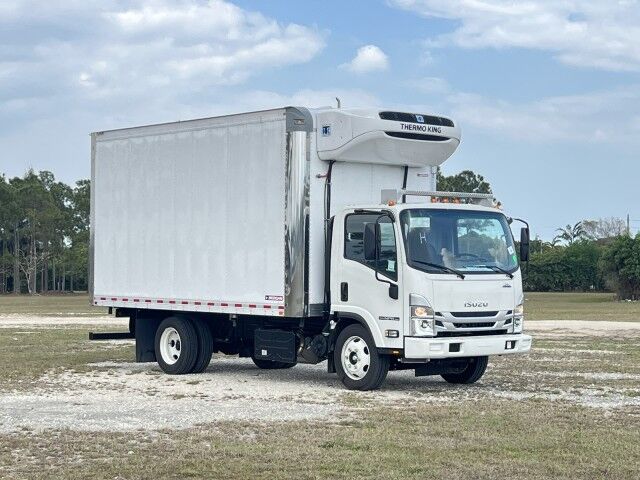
{"x": 365, "y": 279}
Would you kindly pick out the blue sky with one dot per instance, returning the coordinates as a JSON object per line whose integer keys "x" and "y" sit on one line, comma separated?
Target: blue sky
{"x": 547, "y": 93}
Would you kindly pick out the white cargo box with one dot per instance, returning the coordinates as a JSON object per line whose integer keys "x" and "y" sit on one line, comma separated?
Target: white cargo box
{"x": 226, "y": 214}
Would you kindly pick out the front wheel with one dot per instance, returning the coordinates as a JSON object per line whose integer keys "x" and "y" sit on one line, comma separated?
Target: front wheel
{"x": 358, "y": 364}
{"x": 471, "y": 374}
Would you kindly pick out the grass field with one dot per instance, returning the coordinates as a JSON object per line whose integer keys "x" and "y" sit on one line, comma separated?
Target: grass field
{"x": 49, "y": 305}
{"x": 539, "y": 306}
{"x": 579, "y": 306}
{"x": 570, "y": 409}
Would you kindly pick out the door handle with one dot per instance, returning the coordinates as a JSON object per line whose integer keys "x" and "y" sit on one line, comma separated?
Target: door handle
{"x": 344, "y": 292}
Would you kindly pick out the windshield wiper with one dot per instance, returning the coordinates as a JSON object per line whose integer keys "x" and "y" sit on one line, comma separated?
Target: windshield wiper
{"x": 496, "y": 268}
{"x": 441, "y": 267}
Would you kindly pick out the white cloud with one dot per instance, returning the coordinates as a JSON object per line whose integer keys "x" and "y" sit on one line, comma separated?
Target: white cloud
{"x": 112, "y": 48}
{"x": 600, "y": 117}
{"x": 602, "y": 34}
{"x": 369, "y": 58}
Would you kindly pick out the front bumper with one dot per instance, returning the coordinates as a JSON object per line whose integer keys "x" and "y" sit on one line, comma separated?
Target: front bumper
{"x": 421, "y": 348}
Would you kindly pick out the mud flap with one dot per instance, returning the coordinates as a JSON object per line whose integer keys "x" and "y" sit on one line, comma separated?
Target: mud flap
{"x": 145, "y": 331}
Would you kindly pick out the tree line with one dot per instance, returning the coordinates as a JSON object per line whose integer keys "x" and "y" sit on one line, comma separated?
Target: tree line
{"x": 590, "y": 255}
{"x": 44, "y": 234}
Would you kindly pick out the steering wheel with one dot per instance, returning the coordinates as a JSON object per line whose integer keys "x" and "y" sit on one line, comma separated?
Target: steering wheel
{"x": 471, "y": 255}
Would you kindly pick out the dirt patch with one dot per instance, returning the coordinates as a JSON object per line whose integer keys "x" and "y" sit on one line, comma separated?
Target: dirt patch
{"x": 582, "y": 327}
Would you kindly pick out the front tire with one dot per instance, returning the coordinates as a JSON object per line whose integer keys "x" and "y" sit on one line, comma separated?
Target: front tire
{"x": 358, "y": 364}
{"x": 176, "y": 345}
{"x": 471, "y": 374}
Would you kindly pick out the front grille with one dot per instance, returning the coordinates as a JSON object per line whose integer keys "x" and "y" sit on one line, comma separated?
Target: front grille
{"x": 474, "y": 314}
{"x": 475, "y": 325}
{"x": 418, "y": 136}
{"x": 477, "y": 333}
{"x": 411, "y": 118}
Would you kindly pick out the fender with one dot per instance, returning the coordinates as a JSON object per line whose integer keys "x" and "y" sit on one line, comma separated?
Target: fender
{"x": 365, "y": 318}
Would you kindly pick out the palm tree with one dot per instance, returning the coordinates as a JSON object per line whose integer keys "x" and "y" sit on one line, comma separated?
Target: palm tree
{"x": 570, "y": 233}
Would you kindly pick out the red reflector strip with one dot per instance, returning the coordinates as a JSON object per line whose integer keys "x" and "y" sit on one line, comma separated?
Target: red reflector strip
{"x": 211, "y": 304}
{"x": 281, "y": 307}
{"x": 238, "y": 305}
{"x": 136, "y": 300}
{"x": 252, "y": 306}
{"x": 103, "y": 298}
{"x": 224, "y": 304}
{"x": 266, "y": 306}
{"x": 184, "y": 303}
{"x": 197, "y": 303}
{"x": 113, "y": 299}
{"x": 125, "y": 299}
{"x": 160, "y": 301}
{"x": 147, "y": 301}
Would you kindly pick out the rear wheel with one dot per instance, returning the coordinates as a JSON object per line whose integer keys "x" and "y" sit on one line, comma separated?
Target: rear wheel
{"x": 471, "y": 374}
{"x": 358, "y": 363}
{"x": 205, "y": 346}
{"x": 176, "y": 345}
{"x": 271, "y": 365}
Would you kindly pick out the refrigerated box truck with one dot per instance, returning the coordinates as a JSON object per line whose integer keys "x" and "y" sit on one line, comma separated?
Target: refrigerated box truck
{"x": 303, "y": 235}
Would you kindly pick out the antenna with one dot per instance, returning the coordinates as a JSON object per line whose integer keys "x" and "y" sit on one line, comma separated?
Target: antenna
{"x": 338, "y": 102}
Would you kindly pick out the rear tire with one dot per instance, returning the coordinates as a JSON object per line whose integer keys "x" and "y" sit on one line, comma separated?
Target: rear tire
{"x": 176, "y": 345}
{"x": 358, "y": 364}
{"x": 205, "y": 346}
{"x": 475, "y": 369}
{"x": 271, "y": 365}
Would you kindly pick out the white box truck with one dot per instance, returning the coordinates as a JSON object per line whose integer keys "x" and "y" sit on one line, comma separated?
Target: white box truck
{"x": 303, "y": 235}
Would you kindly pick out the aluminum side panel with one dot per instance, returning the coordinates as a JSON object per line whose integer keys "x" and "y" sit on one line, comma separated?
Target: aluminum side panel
{"x": 192, "y": 213}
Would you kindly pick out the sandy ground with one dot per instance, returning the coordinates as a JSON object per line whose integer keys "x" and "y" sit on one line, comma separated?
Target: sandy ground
{"x": 14, "y": 320}
{"x": 128, "y": 396}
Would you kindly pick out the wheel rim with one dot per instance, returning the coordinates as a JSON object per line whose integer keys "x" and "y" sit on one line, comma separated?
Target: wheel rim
{"x": 356, "y": 358}
{"x": 170, "y": 345}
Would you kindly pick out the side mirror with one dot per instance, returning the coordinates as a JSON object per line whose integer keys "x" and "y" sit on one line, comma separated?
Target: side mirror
{"x": 393, "y": 291}
{"x": 369, "y": 242}
{"x": 524, "y": 244}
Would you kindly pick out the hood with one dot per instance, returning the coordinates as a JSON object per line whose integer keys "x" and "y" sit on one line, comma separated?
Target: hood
{"x": 476, "y": 293}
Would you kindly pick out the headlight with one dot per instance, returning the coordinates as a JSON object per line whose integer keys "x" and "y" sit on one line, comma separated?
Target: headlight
{"x": 422, "y": 322}
{"x": 422, "y": 327}
{"x": 518, "y": 318}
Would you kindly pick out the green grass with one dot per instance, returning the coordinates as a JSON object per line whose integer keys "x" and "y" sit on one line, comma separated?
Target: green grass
{"x": 479, "y": 436}
{"x": 480, "y": 440}
{"x": 27, "y": 353}
{"x": 579, "y": 306}
{"x": 49, "y": 305}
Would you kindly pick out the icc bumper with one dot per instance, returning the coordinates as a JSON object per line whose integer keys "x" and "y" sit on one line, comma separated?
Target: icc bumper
{"x": 450, "y": 347}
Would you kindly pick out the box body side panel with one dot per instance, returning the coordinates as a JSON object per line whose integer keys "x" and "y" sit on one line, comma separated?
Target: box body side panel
{"x": 192, "y": 213}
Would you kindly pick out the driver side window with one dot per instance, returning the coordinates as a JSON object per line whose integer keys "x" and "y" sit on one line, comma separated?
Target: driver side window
{"x": 355, "y": 226}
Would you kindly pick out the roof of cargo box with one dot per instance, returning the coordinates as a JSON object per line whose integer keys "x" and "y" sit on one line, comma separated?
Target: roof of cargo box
{"x": 300, "y": 112}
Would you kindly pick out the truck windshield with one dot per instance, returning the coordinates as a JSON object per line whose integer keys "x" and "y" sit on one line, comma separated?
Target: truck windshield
{"x": 470, "y": 242}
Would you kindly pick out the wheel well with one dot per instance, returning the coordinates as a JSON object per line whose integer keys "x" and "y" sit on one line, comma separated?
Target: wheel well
{"x": 344, "y": 320}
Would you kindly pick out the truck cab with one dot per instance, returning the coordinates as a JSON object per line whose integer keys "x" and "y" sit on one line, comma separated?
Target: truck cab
{"x": 435, "y": 286}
